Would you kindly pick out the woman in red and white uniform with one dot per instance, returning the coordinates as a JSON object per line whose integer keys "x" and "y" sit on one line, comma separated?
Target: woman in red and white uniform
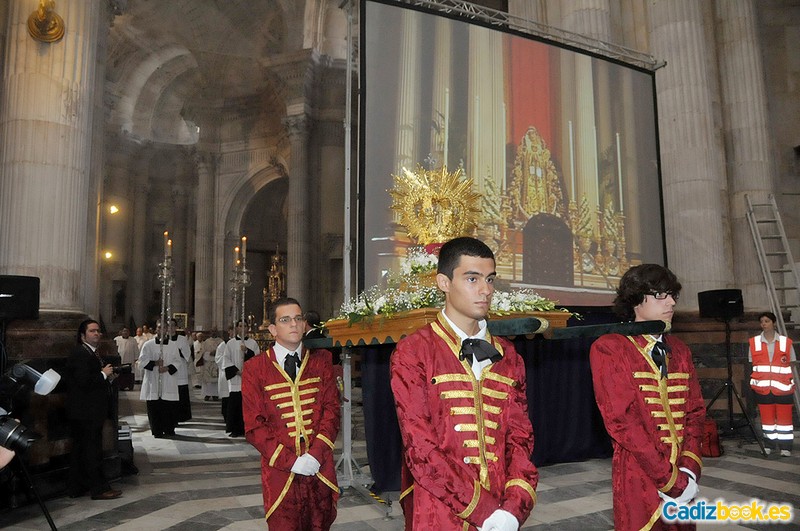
{"x": 773, "y": 384}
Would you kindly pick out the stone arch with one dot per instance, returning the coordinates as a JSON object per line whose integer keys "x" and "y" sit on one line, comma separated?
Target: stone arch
{"x": 231, "y": 214}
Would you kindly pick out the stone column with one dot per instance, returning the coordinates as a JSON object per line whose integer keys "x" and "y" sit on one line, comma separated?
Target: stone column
{"x": 46, "y": 106}
{"x": 407, "y": 114}
{"x": 750, "y": 167}
{"x": 297, "y": 262}
{"x": 691, "y": 152}
{"x": 178, "y": 235}
{"x": 441, "y": 92}
{"x": 204, "y": 243}
{"x": 139, "y": 255}
{"x": 534, "y": 10}
{"x": 591, "y": 18}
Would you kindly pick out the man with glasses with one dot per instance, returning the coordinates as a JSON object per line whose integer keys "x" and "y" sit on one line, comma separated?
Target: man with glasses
{"x": 291, "y": 415}
{"x": 238, "y": 349}
{"x": 649, "y": 397}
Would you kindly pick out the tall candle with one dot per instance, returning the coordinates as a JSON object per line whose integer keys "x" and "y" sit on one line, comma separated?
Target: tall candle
{"x": 619, "y": 173}
{"x": 169, "y": 248}
{"x": 572, "y": 158}
{"x": 475, "y": 132}
{"x": 244, "y": 247}
{"x": 505, "y": 137}
{"x": 596, "y": 166}
{"x": 446, "y": 124}
{"x": 236, "y": 255}
{"x": 166, "y": 241}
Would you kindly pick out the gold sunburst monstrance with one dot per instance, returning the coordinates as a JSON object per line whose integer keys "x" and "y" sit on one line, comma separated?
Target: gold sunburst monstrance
{"x": 435, "y": 205}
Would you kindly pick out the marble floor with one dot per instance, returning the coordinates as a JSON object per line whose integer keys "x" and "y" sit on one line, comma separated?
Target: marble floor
{"x": 201, "y": 480}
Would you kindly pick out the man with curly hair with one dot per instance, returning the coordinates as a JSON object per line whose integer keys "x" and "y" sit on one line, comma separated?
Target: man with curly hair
{"x": 649, "y": 397}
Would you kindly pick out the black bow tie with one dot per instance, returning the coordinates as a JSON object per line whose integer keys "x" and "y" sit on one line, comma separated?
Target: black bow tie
{"x": 290, "y": 364}
{"x": 661, "y": 351}
{"x": 480, "y": 349}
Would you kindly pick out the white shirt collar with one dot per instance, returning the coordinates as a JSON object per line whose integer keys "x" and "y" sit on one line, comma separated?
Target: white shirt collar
{"x": 463, "y": 335}
{"x": 281, "y": 352}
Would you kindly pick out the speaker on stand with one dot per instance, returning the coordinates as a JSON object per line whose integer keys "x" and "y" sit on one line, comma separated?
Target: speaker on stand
{"x": 725, "y": 305}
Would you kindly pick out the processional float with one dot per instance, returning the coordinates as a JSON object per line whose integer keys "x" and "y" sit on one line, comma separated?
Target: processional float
{"x": 435, "y": 206}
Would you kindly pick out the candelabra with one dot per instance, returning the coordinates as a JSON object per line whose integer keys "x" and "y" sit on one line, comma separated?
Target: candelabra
{"x": 240, "y": 279}
{"x": 166, "y": 276}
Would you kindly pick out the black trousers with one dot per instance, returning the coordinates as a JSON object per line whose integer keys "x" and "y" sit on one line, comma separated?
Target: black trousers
{"x": 86, "y": 459}
{"x": 162, "y": 416}
{"x": 184, "y": 405}
{"x": 234, "y": 421}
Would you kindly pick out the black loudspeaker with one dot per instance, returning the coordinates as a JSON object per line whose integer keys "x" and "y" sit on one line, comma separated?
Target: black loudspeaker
{"x": 19, "y": 297}
{"x": 721, "y": 303}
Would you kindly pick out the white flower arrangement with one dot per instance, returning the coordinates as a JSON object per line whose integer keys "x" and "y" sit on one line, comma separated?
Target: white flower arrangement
{"x": 418, "y": 261}
{"x": 407, "y": 292}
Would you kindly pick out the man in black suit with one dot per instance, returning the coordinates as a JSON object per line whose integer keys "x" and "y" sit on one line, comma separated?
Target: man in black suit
{"x": 88, "y": 404}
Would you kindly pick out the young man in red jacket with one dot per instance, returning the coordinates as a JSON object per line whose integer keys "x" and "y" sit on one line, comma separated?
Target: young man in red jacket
{"x": 291, "y": 415}
{"x": 461, "y": 404}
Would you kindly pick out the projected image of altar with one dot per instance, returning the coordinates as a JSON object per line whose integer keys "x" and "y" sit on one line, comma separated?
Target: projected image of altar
{"x": 561, "y": 146}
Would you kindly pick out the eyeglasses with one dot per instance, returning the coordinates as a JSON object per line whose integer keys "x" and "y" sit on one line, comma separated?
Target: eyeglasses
{"x": 661, "y": 295}
{"x": 287, "y": 319}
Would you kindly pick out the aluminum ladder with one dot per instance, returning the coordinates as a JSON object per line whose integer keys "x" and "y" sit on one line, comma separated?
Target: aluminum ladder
{"x": 778, "y": 267}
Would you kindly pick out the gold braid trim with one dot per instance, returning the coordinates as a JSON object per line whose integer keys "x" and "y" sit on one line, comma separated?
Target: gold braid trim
{"x": 278, "y": 396}
{"x": 500, "y": 378}
{"x": 277, "y": 386}
{"x": 671, "y": 483}
{"x": 500, "y": 395}
{"x": 275, "y": 455}
{"x": 653, "y": 519}
{"x": 693, "y": 456}
{"x": 476, "y": 496}
{"x": 328, "y": 482}
{"x": 281, "y": 496}
{"x": 406, "y": 492}
{"x": 523, "y": 485}
{"x": 325, "y": 440}
{"x": 445, "y": 378}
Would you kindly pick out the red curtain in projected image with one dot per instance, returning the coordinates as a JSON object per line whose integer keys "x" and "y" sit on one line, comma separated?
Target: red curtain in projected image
{"x": 528, "y": 90}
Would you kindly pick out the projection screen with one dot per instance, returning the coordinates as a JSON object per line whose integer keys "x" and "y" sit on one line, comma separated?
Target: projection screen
{"x": 561, "y": 145}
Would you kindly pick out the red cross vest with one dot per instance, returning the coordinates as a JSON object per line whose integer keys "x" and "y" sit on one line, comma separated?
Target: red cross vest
{"x": 774, "y": 377}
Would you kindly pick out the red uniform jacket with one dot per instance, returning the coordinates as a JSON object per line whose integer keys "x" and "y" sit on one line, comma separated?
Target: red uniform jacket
{"x": 467, "y": 442}
{"x": 656, "y": 424}
{"x": 284, "y": 419}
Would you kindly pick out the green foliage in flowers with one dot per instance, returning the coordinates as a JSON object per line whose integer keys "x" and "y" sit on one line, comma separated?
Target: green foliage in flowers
{"x": 408, "y": 292}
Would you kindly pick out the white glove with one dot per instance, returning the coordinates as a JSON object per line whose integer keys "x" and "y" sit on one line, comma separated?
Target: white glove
{"x": 500, "y": 520}
{"x": 689, "y": 493}
{"x": 306, "y": 465}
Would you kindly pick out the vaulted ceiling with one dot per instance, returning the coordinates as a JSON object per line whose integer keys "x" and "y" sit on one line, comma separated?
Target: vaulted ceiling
{"x": 171, "y": 64}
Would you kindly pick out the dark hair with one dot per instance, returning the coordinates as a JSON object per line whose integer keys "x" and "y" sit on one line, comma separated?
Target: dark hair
{"x": 642, "y": 280}
{"x": 313, "y": 317}
{"x": 283, "y": 301}
{"x": 82, "y": 329}
{"x": 451, "y": 252}
{"x": 769, "y": 315}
